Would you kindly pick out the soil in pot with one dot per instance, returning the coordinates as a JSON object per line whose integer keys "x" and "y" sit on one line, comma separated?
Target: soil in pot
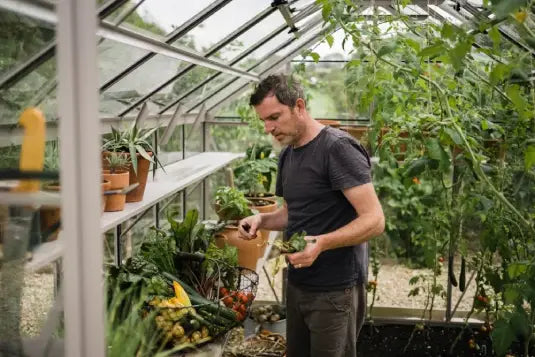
{"x": 249, "y": 251}
{"x": 50, "y": 216}
{"x": 118, "y": 180}
{"x": 435, "y": 341}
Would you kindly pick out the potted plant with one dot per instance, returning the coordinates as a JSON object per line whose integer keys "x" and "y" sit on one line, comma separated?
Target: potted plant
{"x": 231, "y": 205}
{"x": 118, "y": 177}
{"x": 134, "y": 142}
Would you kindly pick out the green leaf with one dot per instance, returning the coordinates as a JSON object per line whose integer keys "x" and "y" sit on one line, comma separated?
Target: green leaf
{"x": 529, "y": 157}
{"x": 386, "y": 49}
{"x": 484, "y": 125}
{"x": 436, "y": 152}
{"x": 530, "y": 41}
{"x": 330, "y": 40}
{"x": 315, "y": 56}
{"x": 415, "y": 45}
{"x": 502, "y": 337}
{"x": 520, "y": 323}
{"x": 514, "y": 270}
{"x": 326, "y": 11}
{"x": 498, "y": 73}
{"x": 513, "y": 91}
{"x": 454, "y": 136}
{"x": 143, "y": 153}
{"x": 503, "y": 8}
{"x": 495, "y": 36}
{"x": 133, "y": 156}
{"x": 416, "y": 167}
{"x": 511, "y": 295}
{"x": 432, "y": 51}
{"x": 459, "y": 52}
{"x": 448, "y": 31}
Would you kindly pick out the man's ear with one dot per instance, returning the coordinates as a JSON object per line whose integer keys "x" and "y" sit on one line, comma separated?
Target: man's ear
{"x": 300, "y": 105}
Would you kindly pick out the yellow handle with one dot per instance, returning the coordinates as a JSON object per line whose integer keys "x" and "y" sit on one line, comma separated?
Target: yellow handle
{"x": 33, "y": 147}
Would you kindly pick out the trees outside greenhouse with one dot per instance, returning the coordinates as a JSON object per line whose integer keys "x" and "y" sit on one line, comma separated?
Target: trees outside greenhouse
{"x": 441, "y": 93}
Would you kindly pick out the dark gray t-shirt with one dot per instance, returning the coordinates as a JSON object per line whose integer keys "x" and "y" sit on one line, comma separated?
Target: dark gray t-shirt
{"x": 311, "y": 179}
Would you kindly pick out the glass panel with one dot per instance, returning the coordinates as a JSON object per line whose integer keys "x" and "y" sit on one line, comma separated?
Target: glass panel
{"x": 270, "y": 45}
{"x": 233, "y": 138}
{"x": 24, "y": 93}
{"x": 212, "y": 183}
{"x": 194, "y": 198}
{"x": 114, "y": 57}
{"x": 168, "y": 205}
{"x": 222, "y": 23}
{"x": 20, "y": 38}
{"x": 138, "y": 82}
{"x": 160, "y": 17}
{"x": 109, "y": 245}
{"x": 185, "y": 83}
{"x": 135, "y": 236}
{"x": 250, "y": 37}
{"x": 172, "y": 150}
{"x": 194, "y": 98}
{"x": 193, "y": 139}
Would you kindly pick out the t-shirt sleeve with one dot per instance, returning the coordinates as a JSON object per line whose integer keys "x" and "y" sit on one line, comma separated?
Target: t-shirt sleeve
{"x": 278, "y": 185}
{"x": 348, "y": 164}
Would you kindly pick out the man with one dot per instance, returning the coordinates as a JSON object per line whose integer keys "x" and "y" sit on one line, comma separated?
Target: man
{"x": 324, "y": 178}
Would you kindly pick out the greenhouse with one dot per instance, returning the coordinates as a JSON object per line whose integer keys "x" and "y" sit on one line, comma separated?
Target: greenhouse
{"x": 277, "y": 178}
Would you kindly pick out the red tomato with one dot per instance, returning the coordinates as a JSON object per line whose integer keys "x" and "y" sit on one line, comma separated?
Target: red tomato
{"x": 228, "y": 301}
{"x": 242, "y": 309}
{"x": 223, "y": 291}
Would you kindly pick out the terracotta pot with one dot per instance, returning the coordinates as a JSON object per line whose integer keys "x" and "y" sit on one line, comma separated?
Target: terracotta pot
{"x": 105, "y": 186}
{"x": 260, "y": 206}
{"x": 49, "y": 216}
{"x": 143, "y": 165}
{"x": 117, "y": 181}
{"x": 358, "y": 132}
{"x": 249, "y": 251}
{"x": 141, "y": 177}
{"x": 329, "y": 122}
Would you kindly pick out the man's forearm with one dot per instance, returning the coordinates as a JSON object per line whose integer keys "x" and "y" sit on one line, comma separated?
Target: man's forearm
{"x": 355, "y": 232}
{"x": 275, "y": 221}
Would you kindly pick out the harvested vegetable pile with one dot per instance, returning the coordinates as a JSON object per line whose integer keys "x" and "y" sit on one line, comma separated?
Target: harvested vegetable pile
{"x": 265, "y": 344}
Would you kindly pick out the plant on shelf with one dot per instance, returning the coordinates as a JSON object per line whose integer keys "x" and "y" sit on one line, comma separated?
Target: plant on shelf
{"x": 231, "y": 204}
{"x": 255, "y": 174}
{"x": 117, "y": 162}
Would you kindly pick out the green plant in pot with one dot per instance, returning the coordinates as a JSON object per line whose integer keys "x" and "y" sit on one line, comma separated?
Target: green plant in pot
{"x": 255, "y": 174}
{"x": 231, "y": 204}
{"x": 137, "y": 144}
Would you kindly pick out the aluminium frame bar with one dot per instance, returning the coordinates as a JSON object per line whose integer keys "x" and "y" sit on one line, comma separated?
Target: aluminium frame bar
{"x": 32, "y": 9}
{"x": 311, "y": 9}
{"x": 80, "y": 178}
{"x": 222, "y": 43}
{"x": 310, "y": 25}
{"x": 169, "y": 39}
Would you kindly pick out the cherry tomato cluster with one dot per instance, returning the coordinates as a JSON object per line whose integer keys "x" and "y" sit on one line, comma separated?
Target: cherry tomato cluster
{"x": 237, "y": 301}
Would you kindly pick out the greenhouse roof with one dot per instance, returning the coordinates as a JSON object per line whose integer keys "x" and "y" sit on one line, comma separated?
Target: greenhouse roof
{"x": 198, "y": 58}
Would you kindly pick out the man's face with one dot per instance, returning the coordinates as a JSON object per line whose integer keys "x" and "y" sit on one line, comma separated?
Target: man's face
{"x": 280, "y": 121}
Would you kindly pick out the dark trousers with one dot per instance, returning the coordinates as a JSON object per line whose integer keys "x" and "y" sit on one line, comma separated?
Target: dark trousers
{"x": 324, "y": 324}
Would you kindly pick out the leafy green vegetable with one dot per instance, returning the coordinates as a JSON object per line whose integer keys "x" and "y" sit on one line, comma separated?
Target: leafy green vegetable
{"x": 296, "y": 243}
{"x": 231, "y": 204}
{"x": 159, "y": 249}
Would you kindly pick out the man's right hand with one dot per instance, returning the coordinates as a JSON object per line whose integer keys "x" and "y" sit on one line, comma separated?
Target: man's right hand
{"x": 248, "y": 226}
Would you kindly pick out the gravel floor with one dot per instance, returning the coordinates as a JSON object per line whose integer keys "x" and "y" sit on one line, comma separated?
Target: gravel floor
{"x": 392, "y": 288}
{"x": 37, "y": 299}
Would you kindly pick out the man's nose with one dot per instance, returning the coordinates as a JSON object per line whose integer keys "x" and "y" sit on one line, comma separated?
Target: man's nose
{"x": 268, "y": 127}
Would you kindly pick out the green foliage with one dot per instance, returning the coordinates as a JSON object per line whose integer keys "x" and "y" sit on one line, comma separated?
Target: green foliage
{"x": 117, "y": 161}
{"x": 231, "y": 204}
{"x": 132, "y": 140}
{"x": 51, "y": 156}
{"x": 190, "y": 235}
{"x": 255, "y": 174}
{"x": 296, "y": 243}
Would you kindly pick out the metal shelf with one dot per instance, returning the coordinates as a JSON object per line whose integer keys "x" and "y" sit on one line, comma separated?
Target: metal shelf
{"x": 176, "y": 177}
{"x": 45, "y": 254}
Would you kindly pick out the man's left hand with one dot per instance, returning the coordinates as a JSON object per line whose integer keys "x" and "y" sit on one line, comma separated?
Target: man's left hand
{"x": 307, "y": 257}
